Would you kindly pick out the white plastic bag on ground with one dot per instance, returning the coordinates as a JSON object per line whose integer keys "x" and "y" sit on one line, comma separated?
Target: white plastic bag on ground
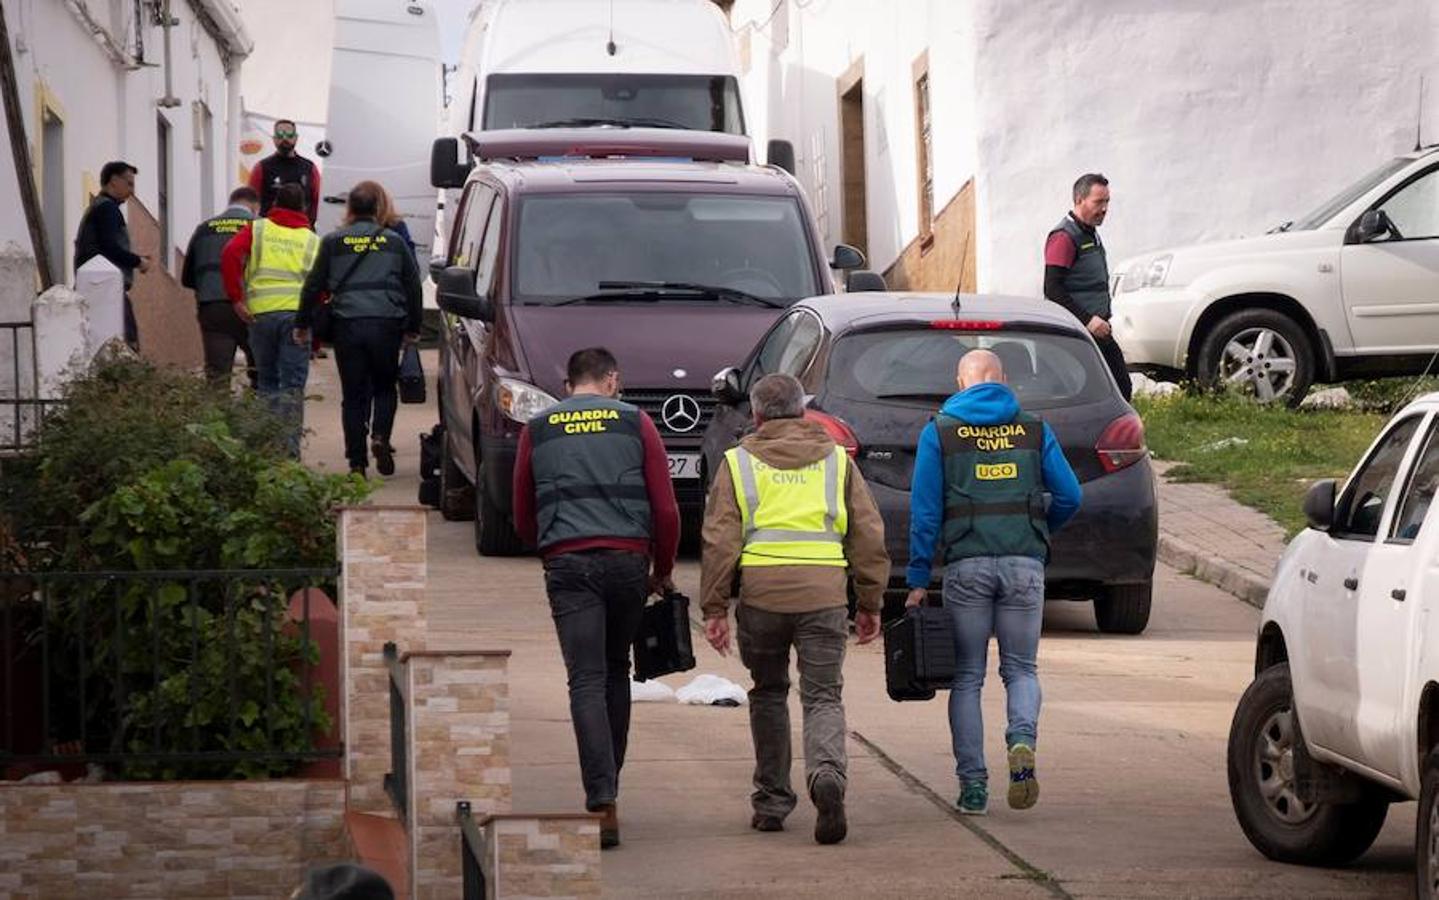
{"x": 651, "y": 692}
{"x": 707, "y": 690}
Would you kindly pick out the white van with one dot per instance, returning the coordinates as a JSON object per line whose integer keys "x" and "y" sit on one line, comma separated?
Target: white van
{"x": 657, "y": 63}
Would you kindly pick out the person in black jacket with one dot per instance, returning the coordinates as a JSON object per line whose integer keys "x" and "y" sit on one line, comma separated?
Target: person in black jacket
{"x": 374, "y": 283}
{"x": 103, "y": 232}
{"x": 221, "y": 330}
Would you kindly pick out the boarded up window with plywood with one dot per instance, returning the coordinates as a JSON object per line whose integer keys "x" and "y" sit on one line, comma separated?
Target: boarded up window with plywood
{"x": 925, "y": 150}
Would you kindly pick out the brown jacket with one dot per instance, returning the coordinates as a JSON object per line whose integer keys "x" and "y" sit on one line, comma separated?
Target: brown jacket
{"x": 790, "y": 444}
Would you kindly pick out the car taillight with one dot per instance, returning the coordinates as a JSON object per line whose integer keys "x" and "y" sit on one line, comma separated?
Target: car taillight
{"x": 837, "y": 430}
{"x": 1122, "y": 443}
{"x": 967, "y": 324}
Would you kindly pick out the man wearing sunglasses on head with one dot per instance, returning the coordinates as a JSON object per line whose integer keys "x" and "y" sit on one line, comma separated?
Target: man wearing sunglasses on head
{"x": 285, "y": 166}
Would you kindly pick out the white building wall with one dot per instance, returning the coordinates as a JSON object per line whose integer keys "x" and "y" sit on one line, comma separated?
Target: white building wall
{"x": 1212, "y": 119}
{"x": 110, "y": 112}
{"x": 796, "y": 58}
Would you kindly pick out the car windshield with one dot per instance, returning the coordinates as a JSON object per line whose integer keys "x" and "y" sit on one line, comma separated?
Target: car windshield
{"x": 1349, "y": 195}
{"x": 1045, "y": 370}
{"x": 667, "y": 245}
{"x": 693, "y": 102}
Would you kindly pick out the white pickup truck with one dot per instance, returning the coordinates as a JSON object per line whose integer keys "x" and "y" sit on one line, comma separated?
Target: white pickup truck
{"x": 1342, "y": 718}
{"x": 1352, "y": 289}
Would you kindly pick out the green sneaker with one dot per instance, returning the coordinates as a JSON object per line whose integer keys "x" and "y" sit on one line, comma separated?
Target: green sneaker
{"x": 1023, "y": 785}
{"x": 973, "y": 798}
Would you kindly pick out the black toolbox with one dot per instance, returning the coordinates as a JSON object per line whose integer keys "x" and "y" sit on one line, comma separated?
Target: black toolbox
{"x": 663, "y": 645}
{"x": 919, "y": 653}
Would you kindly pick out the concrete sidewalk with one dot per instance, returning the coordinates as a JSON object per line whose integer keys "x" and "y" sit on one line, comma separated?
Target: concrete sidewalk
{"x": 1205, "y": 533}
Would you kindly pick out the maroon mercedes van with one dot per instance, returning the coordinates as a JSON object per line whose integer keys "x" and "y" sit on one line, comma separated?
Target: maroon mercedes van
{"x": 667, "y": 247}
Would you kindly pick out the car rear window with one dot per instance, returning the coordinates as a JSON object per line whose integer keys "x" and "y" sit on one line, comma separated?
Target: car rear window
{"x": 1045, "y": 370}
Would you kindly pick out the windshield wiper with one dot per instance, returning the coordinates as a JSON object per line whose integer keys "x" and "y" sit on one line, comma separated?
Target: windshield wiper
{"x": 626, "y": 122}
{"x": 1277, "y": 229}
{"x": 719, "y": 292}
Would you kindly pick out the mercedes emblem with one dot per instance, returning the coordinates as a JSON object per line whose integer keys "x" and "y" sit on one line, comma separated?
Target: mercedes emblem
{"x": 680, "y": 413}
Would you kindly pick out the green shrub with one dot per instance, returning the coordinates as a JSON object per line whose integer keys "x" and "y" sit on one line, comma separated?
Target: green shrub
{"x": 148, "y": 470}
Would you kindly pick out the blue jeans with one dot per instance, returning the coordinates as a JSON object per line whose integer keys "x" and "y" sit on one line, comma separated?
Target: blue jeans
{"x": 1002, "y": 596}
{"x": 281, "y": 369}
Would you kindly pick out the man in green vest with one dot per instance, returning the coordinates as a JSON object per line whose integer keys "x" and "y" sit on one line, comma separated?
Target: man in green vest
{"x": 221, "y": 330}
{"x": 264, "y": 266}
{"x": 592, "y": 491}
{"x": 1076, "y": 270}
{"x": 981, "y": 473}
{"x": 790, "y": 515}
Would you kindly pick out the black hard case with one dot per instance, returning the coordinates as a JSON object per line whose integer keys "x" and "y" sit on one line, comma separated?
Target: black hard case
{"x": 919, "y": 653}
{"x": 663, "y": 645}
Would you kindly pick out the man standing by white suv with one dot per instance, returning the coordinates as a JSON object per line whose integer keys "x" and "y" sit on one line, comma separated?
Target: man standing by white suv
{"x": 1076, "y": 271}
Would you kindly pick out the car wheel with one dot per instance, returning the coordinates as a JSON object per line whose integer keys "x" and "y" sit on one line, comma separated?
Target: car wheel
{"x": 493, "y": 534}
{"x": 1426, "y": 834}
{"x": 1124, "y": 608}
{"x": 457, "y": 496}
{"x": 1258, "y": 352}
{"x": 1262, "y": 741}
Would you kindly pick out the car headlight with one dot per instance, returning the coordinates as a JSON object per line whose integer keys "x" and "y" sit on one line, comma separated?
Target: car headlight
{"x": 522, "y": 402}
{"x": 1146, "y": 274}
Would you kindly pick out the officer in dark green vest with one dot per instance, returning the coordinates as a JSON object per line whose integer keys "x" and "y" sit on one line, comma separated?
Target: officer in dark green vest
{"x": 373, "y": 285}
{"x": 592, "y": 491}
{"x": 981, "y": 473}
{"x": 221, "y": 331}
{"x": 1076, "y": 271}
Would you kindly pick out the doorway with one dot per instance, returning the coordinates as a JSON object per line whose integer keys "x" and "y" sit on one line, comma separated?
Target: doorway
{"x": 852, "y": 171}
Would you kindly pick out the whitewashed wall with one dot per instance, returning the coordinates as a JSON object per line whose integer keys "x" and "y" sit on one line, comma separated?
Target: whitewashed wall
{"x": 790, "y": 87}
{"x": 110, "y": 113}
{"x": 1213, "y": 118}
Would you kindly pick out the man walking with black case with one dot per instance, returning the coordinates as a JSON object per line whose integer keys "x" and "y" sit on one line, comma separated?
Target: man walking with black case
{"x": 980, "y": 475}
{"x": 791, "y": 513}
{"x": 592, "y": 490}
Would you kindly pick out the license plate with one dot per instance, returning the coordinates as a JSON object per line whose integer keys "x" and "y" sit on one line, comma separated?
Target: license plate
{"x": 684, "y": 466}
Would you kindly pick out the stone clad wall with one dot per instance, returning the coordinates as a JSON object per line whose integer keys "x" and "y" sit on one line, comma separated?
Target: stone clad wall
{"x": 554, "y": 856}
{"x": 233, "y": 839}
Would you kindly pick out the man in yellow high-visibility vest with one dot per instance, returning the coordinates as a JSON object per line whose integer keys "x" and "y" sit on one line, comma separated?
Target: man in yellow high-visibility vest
{"x": 264, "y": 268}
{"x": 791, "y": 513}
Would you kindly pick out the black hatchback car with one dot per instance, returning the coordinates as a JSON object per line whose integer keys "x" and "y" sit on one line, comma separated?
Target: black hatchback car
{"x": 877, "y": 366}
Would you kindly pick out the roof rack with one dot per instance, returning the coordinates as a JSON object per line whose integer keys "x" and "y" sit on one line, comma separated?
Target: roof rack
{"x": 608, "y": 143}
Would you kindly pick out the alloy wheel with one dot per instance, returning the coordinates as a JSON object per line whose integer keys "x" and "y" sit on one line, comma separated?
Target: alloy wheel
{"x": 1260, "y": 361}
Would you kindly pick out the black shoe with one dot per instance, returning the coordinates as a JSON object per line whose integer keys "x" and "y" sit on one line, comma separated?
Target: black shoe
{"x": 358, "y": 470}
{"x": 384, "y": 457}
{"x": 762, "y": 822}
{"x": 828, "y": 795}
{"x": 609, "y": 826}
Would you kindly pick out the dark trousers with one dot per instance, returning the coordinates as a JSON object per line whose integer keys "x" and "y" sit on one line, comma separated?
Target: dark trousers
{"x": 221, "y": 333}
{"x": 596, "y": 599}
{"x": 132, "y": 328}
{"x": 1114, "y": 358}
{"x": 367, "y": 353}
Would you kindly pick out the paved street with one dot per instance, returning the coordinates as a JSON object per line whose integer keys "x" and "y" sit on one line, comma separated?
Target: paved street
{"x": 1131, "y": 754}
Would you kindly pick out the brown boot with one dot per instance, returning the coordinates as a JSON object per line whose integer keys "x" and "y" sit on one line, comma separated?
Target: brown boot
{"x": 609, "y": 826}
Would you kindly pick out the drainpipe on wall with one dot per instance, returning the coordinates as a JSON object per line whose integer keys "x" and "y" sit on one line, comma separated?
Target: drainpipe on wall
{"x": 169, "y": 101}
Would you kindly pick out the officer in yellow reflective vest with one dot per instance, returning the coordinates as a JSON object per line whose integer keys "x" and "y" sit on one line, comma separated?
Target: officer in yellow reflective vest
{"x": 790, "y": 514}
{"x": 264, "y": 267}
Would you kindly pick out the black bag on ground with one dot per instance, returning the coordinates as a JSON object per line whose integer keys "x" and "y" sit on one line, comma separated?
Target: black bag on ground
{"x": 430, "y": 466}
{"x": 412, "y": 376}
{"x": 663, "y": 645}
{"x": 919, "y": 653}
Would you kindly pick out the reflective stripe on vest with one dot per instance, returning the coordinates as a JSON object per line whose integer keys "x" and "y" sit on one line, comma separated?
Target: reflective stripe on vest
{"x": 791, "y": 517}
{"x": 280, "y": 258}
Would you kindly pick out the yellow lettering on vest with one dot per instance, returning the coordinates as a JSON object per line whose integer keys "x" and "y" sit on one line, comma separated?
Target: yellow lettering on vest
{"x": 1002, "y": 443}
{"x": 582, "y": 415}
{"x": 788, "y": 476}
{"x": 1014, "y": 429}
{"x": 996, "y": 471}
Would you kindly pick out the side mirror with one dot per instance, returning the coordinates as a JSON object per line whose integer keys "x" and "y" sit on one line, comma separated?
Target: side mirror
{"x": 726, "y": 387}
{"x": 846, "y": 257}
{"x": 455, "y": 293}
{"x": 781, "y": 155}
{"x": 857, "y": 280}
{"x": 437, "y": 268}
{"x": 1319, "y": 505}
{"x": 446, "y": 170}
{"x": 1375, "y": 223}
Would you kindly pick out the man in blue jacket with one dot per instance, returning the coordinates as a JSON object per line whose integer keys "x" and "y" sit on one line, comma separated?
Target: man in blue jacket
{"x": 980, "y": 476}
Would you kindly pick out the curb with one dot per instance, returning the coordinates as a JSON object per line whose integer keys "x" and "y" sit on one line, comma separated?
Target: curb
{"x": 1232, "y": 579}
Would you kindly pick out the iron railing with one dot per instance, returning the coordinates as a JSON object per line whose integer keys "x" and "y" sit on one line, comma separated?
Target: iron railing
{"x": 397, "y": 780}
{"x": 472, "y": 846}
{"x": 162, "y": 674}
{"x": 21, "y": 409}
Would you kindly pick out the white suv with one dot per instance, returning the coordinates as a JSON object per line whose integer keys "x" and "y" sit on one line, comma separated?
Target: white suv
{"x": 1343, "y": 715}
{"x": 1350, "y": 289}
